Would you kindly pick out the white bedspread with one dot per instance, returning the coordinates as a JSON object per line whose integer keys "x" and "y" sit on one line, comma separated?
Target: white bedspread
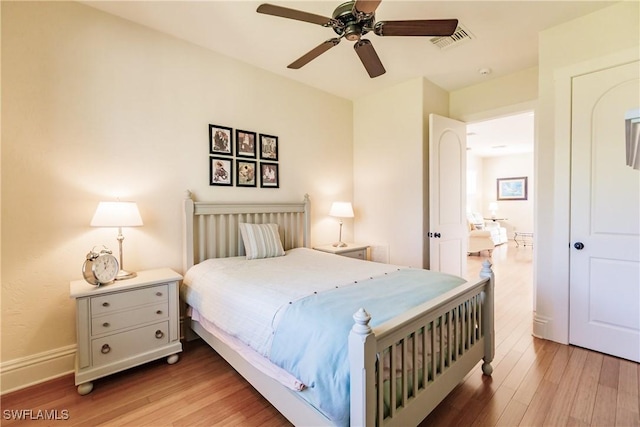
{"x": 248, "y": 302}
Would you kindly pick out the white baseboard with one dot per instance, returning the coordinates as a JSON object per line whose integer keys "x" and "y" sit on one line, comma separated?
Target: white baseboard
{"x": 27, "y": 371}
{"x": 540, "y": 326}
{"x": 35, "y": 369}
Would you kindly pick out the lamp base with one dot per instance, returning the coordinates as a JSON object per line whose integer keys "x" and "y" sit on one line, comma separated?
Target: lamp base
{"x": 124, "y": 275}
{"x": 340, "y": 245}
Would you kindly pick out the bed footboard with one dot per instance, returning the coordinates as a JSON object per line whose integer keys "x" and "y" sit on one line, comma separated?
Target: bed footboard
{"x": 401, "y": 370}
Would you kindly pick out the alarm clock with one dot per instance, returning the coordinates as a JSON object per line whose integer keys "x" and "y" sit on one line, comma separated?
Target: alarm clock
{"x": 100, "y": 268}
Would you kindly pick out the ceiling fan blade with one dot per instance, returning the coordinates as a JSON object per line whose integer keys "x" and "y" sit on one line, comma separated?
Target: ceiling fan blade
{"x": 425, "y": 27}
{"x": 313, "y": 53}
{"x": 285, "y": 12}
{"x": 369, "y": 58}
{"x": 367, "y": 6}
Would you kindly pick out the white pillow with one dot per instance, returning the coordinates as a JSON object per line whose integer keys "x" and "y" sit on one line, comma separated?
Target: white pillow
{"x": 261, "y": 240}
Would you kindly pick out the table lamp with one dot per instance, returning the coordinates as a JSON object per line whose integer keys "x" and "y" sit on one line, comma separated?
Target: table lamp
{"x": 118, "y": 214}
{"x": 341, "y": 210}
{"x": 493, "y": 208}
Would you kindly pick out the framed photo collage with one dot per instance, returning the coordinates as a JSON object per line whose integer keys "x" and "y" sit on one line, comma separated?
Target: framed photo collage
{"x": 242, "y": 158}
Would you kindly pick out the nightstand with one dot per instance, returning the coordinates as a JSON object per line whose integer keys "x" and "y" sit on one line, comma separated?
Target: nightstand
{"x": 352, "y": 250}
{"x": 125, "y": 323}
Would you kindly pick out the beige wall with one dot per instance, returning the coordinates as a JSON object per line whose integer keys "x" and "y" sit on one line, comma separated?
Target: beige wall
{"x": 519, "y": 213}
{"x": 497, "y": 97}
{"x": 600, "y": 34}
{"x": 390, "y": 168}
{"x": 388, "y": 182}
{"x": 475, "y": 200}
{"x": 95, "y": 107}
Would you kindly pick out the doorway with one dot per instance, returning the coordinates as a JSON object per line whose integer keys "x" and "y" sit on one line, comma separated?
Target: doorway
{"x": 500, "y": 151}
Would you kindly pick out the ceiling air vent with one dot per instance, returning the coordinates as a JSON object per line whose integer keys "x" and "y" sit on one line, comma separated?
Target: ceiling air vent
{"x": 460, "y": 36}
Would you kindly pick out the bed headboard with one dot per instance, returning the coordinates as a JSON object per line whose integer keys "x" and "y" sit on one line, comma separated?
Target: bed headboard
{"x": 210, "y": 229}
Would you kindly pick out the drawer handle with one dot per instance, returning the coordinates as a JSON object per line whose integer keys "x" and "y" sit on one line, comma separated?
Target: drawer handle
{"x": 159, "y": 312}
{"x": 105, "y": 349}
{"x": 159, "y": 334}
{"x": 105, "y": 304}
{"x": 106, "y": 324}
{"x": 158, "y": 294}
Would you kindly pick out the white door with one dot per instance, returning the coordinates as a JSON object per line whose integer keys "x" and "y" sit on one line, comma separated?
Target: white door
{"x": 605, "y": 215}
{"x": 447, "y": 231}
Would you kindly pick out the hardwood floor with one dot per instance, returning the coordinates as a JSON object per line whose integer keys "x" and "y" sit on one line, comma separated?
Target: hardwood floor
{"x": 535, "y": 382}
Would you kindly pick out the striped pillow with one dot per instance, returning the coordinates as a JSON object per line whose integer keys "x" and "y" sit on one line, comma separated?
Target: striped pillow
{"x": 261, "y": 240}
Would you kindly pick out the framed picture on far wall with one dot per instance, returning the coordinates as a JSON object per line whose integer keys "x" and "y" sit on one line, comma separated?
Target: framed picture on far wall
{"x": 220, "y": 171}
{"x": 220, "y": 140}
{"x": 245, "y": 143}
{"x": 512, "y": 188}
{"x": 245, "y": 173}
{"x": 269, "y": 175}
{"x": 268, "y": 147}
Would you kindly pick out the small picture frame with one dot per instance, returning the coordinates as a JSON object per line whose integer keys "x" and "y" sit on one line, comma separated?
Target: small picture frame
{"x": 268, "y": 147}
{"x": 245, "y": 143}
{"x": 220, "y": 140}
{"x": 245, "y": 173}
{"x": 220, "y": 171}
{"x": 512, "y": 188}
{"x": 269, "y": 175}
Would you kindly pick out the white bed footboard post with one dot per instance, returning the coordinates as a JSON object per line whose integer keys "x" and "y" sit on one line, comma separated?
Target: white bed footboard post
{"x": 488, "y": 316}
{"x": 187, "y": 235}
{"x": 362, "y": 362}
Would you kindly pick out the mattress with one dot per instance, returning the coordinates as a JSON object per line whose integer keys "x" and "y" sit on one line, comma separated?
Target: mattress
{"x": 245, "y": 298}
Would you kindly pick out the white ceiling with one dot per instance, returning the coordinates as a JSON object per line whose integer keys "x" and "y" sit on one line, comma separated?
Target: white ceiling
{"x": 502, "y": 136}
{"x": 505, "y": 38}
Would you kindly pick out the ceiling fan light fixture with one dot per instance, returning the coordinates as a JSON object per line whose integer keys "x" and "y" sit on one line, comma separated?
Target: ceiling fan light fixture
{"x": 352, "y": 32}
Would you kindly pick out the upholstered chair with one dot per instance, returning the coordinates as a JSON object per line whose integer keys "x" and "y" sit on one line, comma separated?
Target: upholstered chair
{"x": 480, "y": 240}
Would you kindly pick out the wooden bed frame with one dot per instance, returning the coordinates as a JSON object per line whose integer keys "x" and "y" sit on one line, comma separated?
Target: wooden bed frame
{"x": 458, "y": 326}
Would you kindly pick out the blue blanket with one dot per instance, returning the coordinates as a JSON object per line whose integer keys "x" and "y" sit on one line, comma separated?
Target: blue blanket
{"x": 311, "y": 340}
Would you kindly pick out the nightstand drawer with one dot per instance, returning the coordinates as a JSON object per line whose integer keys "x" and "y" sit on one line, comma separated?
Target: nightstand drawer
{"x": 350, "y": 250}
{"x": 120, "y": 346}
{"x": 359, "y": 254}
{"x": 122, "y": 300}
{"x": 139, "y": 316}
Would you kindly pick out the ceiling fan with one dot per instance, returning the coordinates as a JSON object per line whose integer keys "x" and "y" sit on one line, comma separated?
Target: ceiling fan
{"x": 354, "y": 19}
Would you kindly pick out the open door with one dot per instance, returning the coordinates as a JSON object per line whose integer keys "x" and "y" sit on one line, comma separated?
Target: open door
{"x": 447, "y": 231}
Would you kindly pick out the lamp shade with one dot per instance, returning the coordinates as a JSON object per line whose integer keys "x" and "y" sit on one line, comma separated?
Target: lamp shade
{"x": 116, "y": 214}
{"x": 493, "y": 206}
{"x": 341, "y": 210}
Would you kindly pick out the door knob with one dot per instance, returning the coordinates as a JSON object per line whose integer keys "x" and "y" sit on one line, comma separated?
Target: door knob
{"x": 437, "y": 235}
{"x": 579, "y": 246}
